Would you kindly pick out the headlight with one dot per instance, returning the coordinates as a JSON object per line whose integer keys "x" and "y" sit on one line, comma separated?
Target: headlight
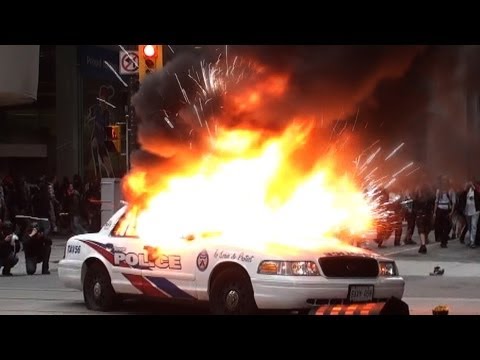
{"x": 289, "y": 268}
{"x": 388, "y": 269}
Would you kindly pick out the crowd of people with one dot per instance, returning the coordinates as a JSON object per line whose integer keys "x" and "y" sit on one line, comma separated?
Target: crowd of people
{"x": 30, "y": 212}
{"x": 447, "y": 210}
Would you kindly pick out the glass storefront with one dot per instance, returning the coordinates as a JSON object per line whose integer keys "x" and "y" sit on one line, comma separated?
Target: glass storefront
{"x": 103, "y": 101}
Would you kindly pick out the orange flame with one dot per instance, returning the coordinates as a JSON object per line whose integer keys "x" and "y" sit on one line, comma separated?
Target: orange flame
{"x": 251, "y": 193}
{"x": 255, "y": 187}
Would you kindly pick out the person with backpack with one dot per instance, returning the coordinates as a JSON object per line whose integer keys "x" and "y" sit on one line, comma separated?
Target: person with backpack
{"x": 442, "y": 213}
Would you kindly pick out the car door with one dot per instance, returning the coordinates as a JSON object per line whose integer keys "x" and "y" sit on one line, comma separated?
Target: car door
{"x": 172, "y": 274}
{"x": 128, "y": 256}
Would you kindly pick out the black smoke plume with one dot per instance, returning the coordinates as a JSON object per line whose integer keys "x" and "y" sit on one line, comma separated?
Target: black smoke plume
{"x": 324, "y": 81}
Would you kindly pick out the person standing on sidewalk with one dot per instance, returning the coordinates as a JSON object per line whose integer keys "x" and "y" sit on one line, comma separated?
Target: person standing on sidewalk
{"x": 383, "y": 224}
{"x": 53, "y": 203}
{"x": 442, "y": 213}
{"x": 422, "y": 209}
{"x": 458, "y": 219}
{"x": 409, "y": 217}
{"x": 73, "y": 201}
{"x": 397, "y": 211}
{"x": 41, "y": 206}
{"x": 469, "y": 201}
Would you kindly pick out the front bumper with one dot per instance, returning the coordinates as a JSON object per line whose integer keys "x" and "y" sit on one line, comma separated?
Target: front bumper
{"x": 294, "y": 293}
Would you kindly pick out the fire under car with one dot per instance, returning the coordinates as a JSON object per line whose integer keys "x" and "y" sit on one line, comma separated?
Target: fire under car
{"x": 115, "y": 264}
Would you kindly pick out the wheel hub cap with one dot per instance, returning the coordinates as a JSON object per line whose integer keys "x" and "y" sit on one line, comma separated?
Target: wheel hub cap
{"x": 97, "y": 290}
{"x": 232, "y": 300}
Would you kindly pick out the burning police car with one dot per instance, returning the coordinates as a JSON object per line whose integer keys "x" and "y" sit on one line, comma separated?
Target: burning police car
{"x": 116, "y": 263}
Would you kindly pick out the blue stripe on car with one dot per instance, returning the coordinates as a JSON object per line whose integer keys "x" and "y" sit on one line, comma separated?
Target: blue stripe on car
{"x": 169, "y": 287}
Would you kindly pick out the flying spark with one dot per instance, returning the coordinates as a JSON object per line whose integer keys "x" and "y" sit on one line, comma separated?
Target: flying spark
{"x": 167, "y": 120}
{"x": 402, "y": 169}
{"x": 106, "y": 102}
{"x": 356, "y": 118}
{"x": 394, "y": 151}
{"x": 116, "y": 74}
{"x": 413, "y": 171}
{"x": 390, "y": 182}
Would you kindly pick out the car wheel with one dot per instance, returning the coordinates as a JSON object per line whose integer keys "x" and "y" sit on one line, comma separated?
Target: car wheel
{"x": 98, "y": 292}
{"x": 232, "y": 294}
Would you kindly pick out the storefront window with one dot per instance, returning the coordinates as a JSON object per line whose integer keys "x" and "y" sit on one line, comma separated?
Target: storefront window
{"x": 103, "y": 104}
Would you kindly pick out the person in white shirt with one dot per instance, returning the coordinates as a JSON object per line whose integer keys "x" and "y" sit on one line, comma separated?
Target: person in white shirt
{"x": 469, "y": 202}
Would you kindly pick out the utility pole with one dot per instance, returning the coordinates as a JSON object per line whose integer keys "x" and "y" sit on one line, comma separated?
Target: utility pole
{"x": 150, "y": 58}
{"x": 131, "y": 123}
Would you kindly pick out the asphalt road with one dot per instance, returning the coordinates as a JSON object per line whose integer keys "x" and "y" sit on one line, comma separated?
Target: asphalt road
{"x": 459, "y": 287}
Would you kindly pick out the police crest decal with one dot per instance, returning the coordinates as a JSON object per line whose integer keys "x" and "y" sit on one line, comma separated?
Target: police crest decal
{"x": 202, "y": 260}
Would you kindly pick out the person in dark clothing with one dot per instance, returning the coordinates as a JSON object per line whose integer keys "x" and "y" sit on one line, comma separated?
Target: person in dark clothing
{"x": 62, "y": 193}
{"x": 78, "y": 184}
{"x": 93, "y": 205}
{"x": 41, "y": 205}
{"x": 54, "y": 204}
{"x": 442, "y": 213}
{"x": 429, "y": 193}
{"x": 75, "y": 211}
{"x": 37, "y": 248}
{"x": 383, "y": 224}
{"x": 21, "y": 196}
{"x": 397, "y": 212}
{"x": 10, "y": 199}
{"x": 64, "y": 219}
{"x": 409, "y": 217}
{"x": 423, "y": 211}
{"x": 9, "y": 247}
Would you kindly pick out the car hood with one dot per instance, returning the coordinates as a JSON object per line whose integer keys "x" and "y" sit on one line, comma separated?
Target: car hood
{"x": 271, "y": 251}
{"x": 329, "y": 250}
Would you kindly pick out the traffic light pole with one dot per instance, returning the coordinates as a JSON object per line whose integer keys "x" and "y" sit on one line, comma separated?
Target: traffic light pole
{"x": 131, "y": 128}
{"x": 127, "y": 135}
{"x": 150, "y": 59}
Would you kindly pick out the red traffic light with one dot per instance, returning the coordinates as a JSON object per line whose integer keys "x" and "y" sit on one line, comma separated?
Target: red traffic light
{"x": 150, "y": 51}
{"x": 150, "y": 59}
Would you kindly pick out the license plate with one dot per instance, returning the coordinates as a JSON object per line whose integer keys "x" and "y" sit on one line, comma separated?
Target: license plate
{"x": 360, "y": 293}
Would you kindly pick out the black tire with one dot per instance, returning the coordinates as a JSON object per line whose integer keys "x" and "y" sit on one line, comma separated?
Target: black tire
{"x": 98, "y": 292}
{"x": 232, "y": 294}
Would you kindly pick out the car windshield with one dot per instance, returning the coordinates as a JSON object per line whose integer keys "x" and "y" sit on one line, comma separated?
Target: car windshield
{"x": 127, "y": 225}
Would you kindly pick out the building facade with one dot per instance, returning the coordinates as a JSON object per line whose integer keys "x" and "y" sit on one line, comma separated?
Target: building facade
{"x": 61, "y": 130}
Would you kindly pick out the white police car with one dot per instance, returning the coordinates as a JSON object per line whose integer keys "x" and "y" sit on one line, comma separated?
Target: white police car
{"x": 114, "y": 263}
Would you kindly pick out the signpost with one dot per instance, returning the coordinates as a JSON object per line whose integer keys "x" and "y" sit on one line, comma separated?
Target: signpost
{"x": 128, "y": 62}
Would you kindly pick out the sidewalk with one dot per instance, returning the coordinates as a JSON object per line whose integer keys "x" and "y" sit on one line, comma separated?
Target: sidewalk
{"x": 458, "y": 260}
